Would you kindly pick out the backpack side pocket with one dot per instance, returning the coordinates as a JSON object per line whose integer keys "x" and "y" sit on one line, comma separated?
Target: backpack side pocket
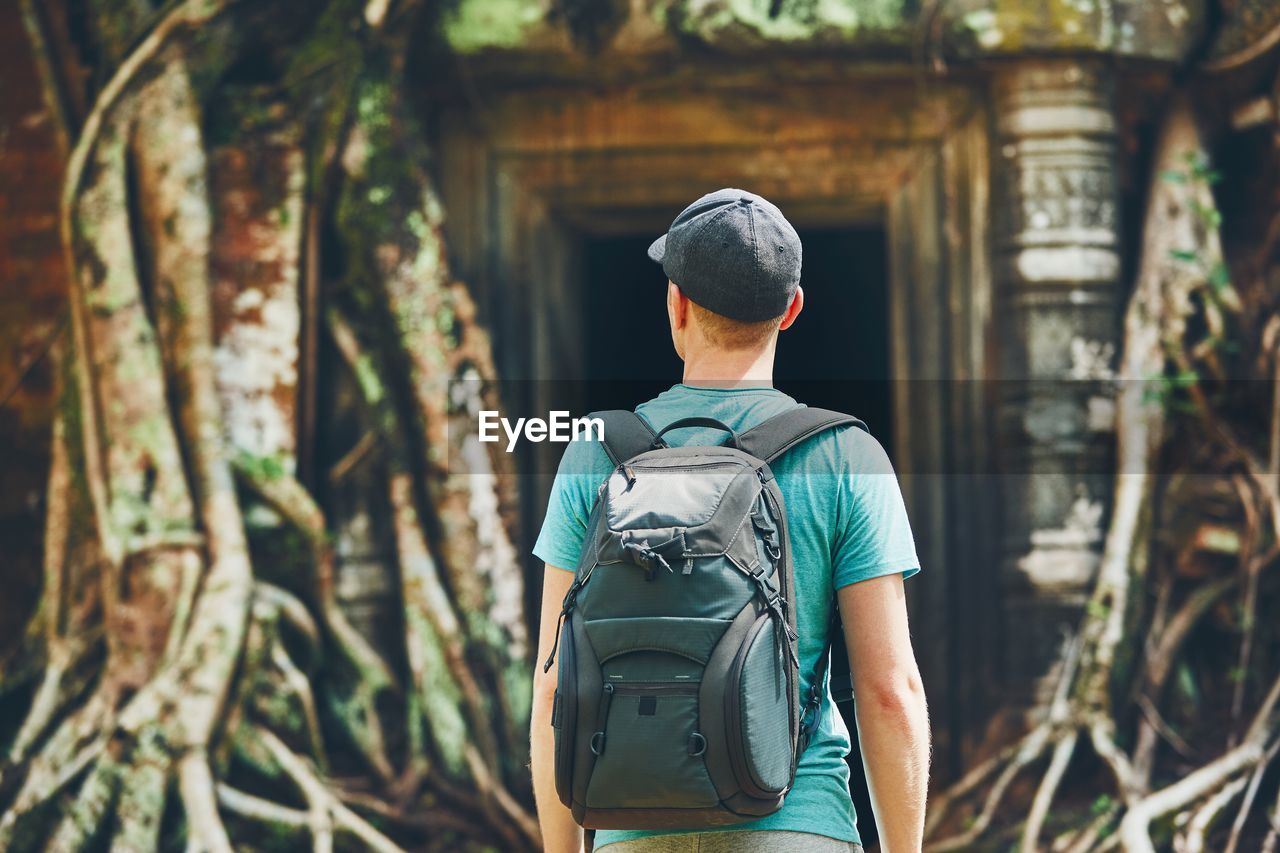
{"x": 564, "y": 716}
{"x": 759, "y": 713}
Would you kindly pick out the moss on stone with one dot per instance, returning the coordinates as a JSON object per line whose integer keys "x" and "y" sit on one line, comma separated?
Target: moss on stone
{"x": 476, "y": 25}
{"x": 969, "y": 28}
{"x": 829, "y": 21}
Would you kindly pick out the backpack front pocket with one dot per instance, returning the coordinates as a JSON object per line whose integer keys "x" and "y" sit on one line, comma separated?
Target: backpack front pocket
{"x": 648, "y": 750}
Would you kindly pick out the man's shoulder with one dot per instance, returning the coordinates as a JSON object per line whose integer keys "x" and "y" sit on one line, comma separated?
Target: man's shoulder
{"x": 584, "y": 456}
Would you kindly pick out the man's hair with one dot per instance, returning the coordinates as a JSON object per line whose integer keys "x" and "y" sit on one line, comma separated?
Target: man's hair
{"x": 726, "y": 333}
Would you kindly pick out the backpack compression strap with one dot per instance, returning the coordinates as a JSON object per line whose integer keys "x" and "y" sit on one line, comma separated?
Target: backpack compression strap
{"x": 780, "y": 433}
{"x": 626, "y": 434}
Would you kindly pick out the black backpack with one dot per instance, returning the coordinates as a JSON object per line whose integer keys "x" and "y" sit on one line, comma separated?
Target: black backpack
{"x": 677, "y": 702}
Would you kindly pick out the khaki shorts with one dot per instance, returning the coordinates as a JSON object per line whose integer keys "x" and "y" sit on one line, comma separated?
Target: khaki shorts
{"x": 745, "y": 841}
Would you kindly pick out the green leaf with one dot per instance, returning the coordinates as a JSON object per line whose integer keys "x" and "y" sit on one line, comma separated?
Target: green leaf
{"x": 1169, "y": 176}
{"x": 1199, "y": 163}
{"x": 1208, "y": 214}
{"x": 1188, "y": 255}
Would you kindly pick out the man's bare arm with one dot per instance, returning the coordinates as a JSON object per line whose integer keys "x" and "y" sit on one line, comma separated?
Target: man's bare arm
{"x": 560, "y": 834}
{"x": 893, "y": 721}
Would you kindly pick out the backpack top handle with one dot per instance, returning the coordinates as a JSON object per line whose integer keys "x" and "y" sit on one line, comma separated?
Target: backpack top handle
{"x": 696, "y": 421}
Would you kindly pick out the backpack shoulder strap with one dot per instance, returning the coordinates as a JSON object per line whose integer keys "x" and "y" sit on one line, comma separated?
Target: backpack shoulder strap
{"x": 626, "y": 434}
{"x": 780, "y": 433}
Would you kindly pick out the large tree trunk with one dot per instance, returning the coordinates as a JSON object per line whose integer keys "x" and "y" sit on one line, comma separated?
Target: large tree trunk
{"x": 205, "y": 681}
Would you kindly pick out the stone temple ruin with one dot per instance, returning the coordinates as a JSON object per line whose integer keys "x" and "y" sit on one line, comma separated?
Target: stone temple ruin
{"x": 962, "y": 180}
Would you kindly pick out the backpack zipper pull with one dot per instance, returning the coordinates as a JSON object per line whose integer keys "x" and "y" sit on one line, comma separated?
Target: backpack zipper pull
{"x": 570, "y": 598}
{"x": 555, "y": 644}
{"x": 688, "y": 566}
{"x": 602, "y": 719}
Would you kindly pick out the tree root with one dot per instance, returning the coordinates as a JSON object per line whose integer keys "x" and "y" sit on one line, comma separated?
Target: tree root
{"x": 433, "y": 624}
{"x": 1269, "y": 843}
{"x": 294, "y": 503}
{"x": 426, "y": 601}
{"x": 57, "y": 649}
{"x": 940, "y": 805}
{"x": 97, "y": 795}
{"x": 1062, "y": 752}
{"x": 1203, "y": 818}
{"x": 326, "y": 812}
{"x": 1030, "y": 748}
{"x": 73, "y": 747}
{"x": 258, "y": 809}
{"x": 1086, "y": 839}
{"x": 1250, "y": 793}
{"x": 1204, "y": 781}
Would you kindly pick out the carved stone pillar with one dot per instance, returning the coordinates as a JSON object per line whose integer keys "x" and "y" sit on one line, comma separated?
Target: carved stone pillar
{"x": 1057, "y": 282}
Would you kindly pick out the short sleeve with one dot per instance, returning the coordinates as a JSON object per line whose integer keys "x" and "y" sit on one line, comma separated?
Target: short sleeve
{"x": 873, "y": 535}
{"x": 583, "y": 467}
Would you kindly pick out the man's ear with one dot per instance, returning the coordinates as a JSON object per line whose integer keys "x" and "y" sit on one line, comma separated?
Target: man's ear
{"x": 794, "y": 309}
{"x": 677, "y": 306}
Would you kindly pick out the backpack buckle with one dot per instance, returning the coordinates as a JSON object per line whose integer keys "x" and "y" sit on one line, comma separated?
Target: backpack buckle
{"x": 646, "y": 557}
{"x": 812, "y": 716}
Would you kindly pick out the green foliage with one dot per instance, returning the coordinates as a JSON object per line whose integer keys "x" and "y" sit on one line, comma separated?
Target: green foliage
{"x": 476, "y": 25}
{"x": 260, "y": 467}
{"x": 1168, "y": 390}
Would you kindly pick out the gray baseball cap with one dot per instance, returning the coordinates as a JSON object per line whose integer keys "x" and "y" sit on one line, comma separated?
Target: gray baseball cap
{"x": 734, "y": 253}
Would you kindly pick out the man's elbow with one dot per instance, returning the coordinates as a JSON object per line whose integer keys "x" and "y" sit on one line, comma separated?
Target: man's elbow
{"x": 897, "y": 693}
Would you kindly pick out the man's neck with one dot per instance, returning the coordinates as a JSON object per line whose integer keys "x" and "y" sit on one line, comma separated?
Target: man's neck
{"x": 722, "y": 369}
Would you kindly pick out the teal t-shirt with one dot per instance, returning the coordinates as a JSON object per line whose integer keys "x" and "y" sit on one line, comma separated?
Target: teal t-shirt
{"x": 847, "y": 522}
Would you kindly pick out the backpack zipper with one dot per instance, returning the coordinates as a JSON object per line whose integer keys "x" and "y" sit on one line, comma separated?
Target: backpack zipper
{"x": 701, "y": 467}
{"x": 672, "y": 688}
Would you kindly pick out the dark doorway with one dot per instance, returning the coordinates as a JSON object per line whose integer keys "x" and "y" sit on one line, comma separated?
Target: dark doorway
{"x": 836, "y": 355}
{"x": 628, "y": 357}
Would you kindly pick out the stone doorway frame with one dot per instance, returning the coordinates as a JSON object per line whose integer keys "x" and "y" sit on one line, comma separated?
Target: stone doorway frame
{"x": 524, "y": 171}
